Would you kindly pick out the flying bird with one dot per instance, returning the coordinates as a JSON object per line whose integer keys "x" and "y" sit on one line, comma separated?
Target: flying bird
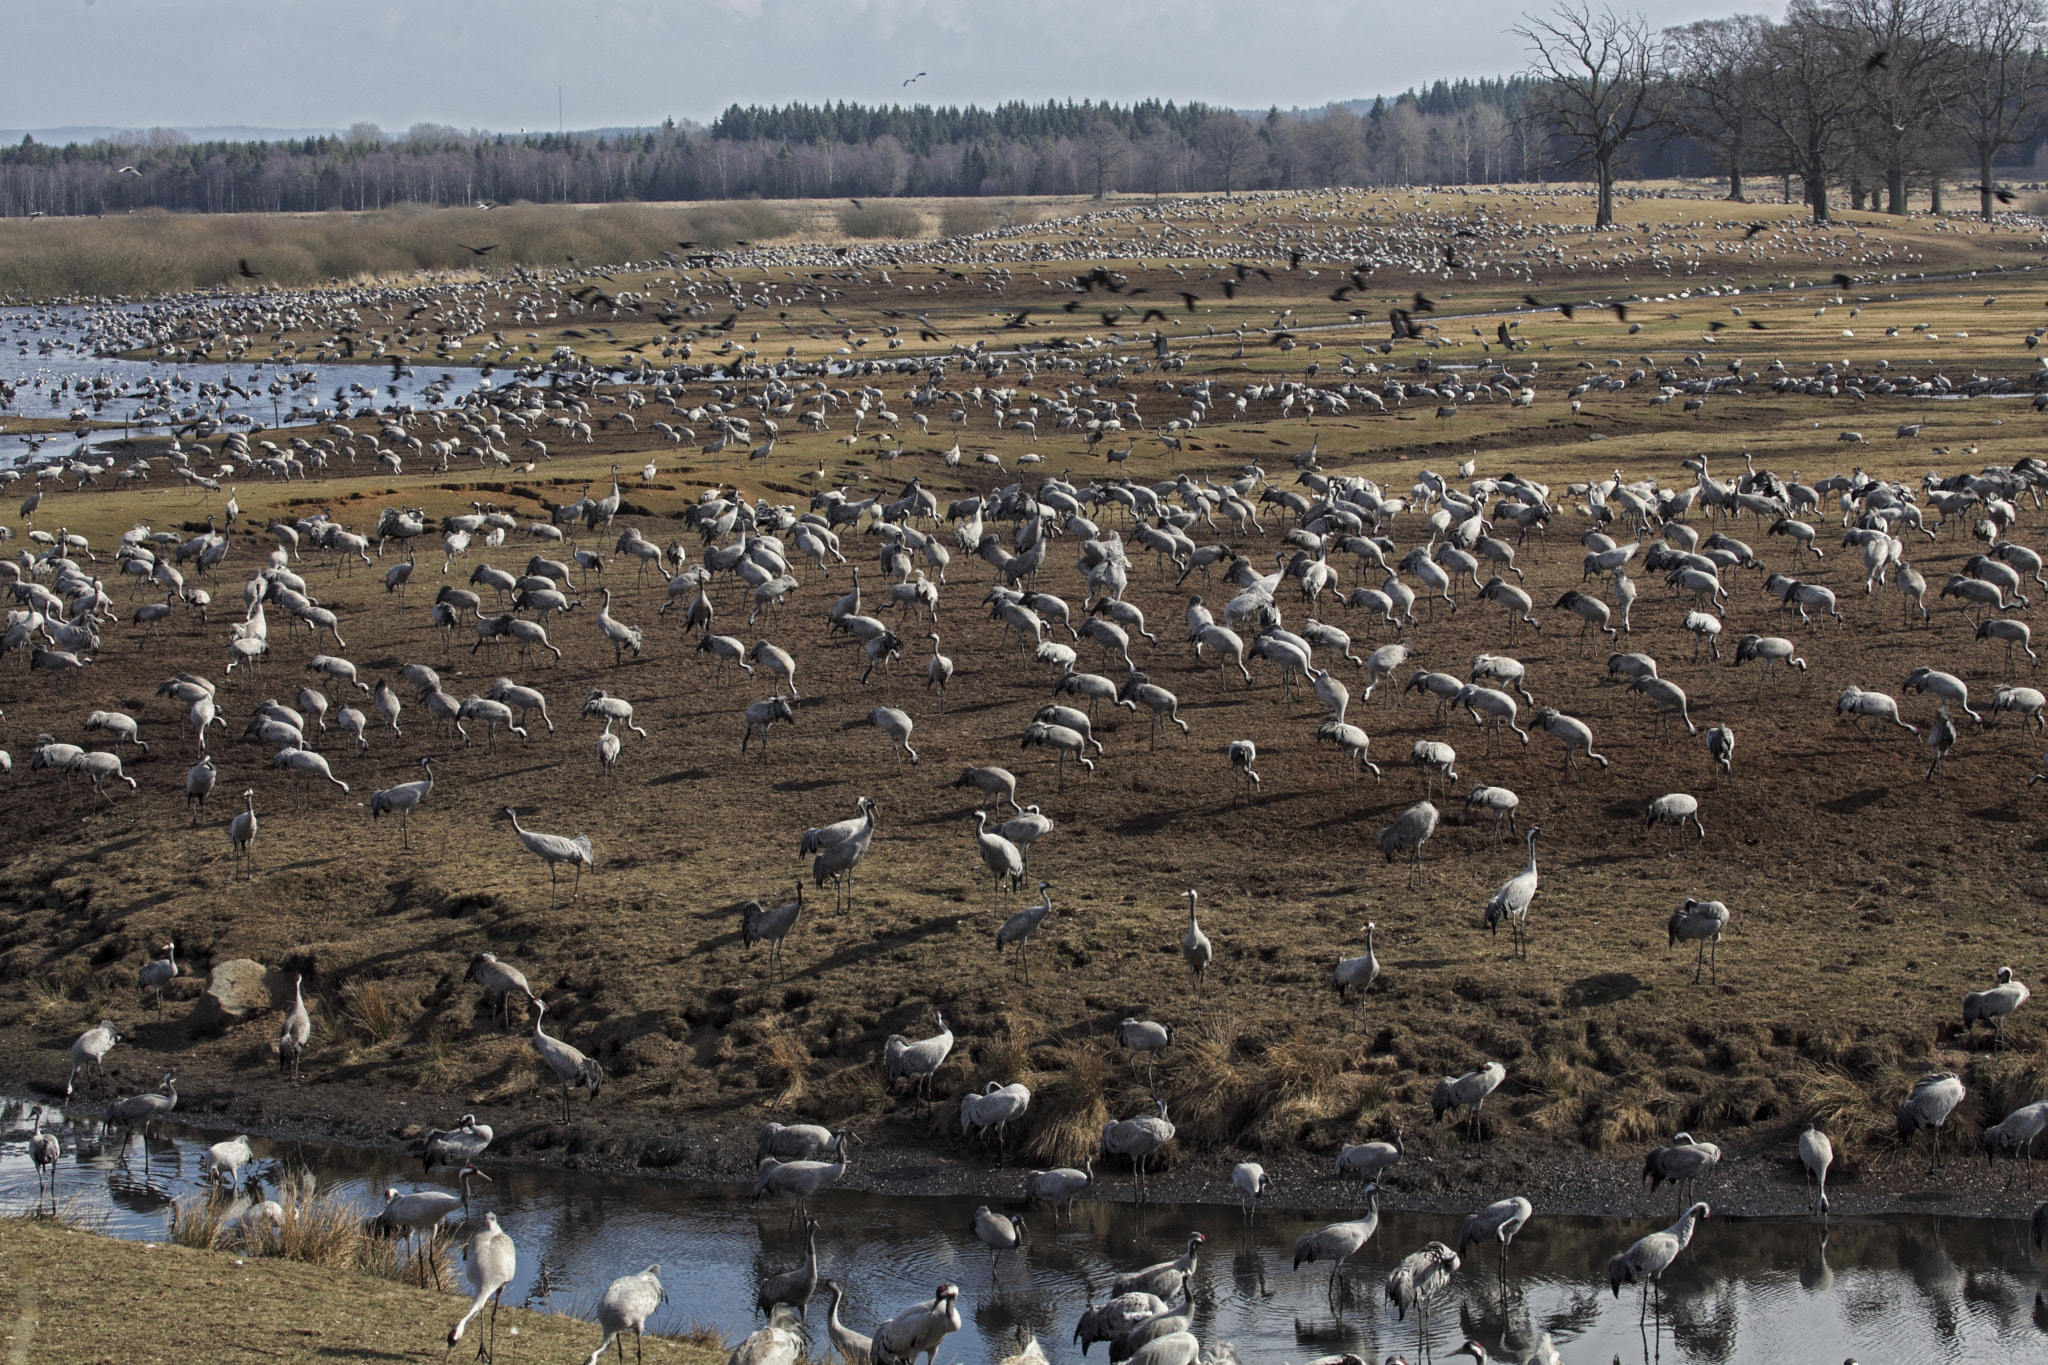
{"x": 2002, "y": 196}
{"x": 128, "y": 170}
{"x": 1533, "y": 302}
{"x": 914, "y": 79}
{"x": 242, "y": 267}
{"x": 1754, "y": 229}
{"x": 1879, "y": 58}
{"x": 1424, "y": 304}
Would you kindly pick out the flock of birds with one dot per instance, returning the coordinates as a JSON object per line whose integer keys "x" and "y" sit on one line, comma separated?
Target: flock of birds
{"x": 1464, "y": 537}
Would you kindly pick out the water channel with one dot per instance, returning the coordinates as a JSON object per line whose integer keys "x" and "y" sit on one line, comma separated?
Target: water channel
{"x": 1907, "y": 1287}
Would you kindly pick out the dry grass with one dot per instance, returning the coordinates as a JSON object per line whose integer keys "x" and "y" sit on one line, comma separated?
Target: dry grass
{"x": 881, "y": 219}
{"x": 319, "y": 1228}
{"x": 370, "y": 1009}
{"x": 236, "y": 1308}
{"x": 153, "y": 252}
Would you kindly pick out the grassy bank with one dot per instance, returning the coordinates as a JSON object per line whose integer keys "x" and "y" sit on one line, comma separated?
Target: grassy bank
{"x": 78, "y": 1297}
{"x": 154, "y": 252}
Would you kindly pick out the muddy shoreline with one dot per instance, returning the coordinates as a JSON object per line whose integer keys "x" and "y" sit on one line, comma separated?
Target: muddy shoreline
{"x": 1758, "y": 1175}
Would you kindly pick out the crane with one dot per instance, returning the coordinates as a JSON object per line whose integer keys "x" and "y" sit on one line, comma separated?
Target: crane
{"x": 554, "y": 850}
{"x": 493, "y": 1262}
{"x": 1649, "y": 1257}
{"x": 627, "y": 1304}
{"x": 570, "y": 1066}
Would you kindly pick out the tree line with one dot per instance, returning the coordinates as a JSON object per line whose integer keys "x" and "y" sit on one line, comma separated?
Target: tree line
{"x": 1867, "y": 98}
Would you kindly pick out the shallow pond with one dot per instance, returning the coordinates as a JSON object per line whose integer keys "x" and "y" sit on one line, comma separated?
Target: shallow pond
{"x": 1897, "y": 1288}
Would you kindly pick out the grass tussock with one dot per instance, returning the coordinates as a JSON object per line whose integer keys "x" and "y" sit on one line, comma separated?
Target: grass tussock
{"x": 154, "y": 252}
{"x": 369, "y": 1009}
{"x": 1071, "y": 1108}
{"x": 317, "y": 1228}
{"x": 881, "y": 220}
{"x": 786, "y": 1066}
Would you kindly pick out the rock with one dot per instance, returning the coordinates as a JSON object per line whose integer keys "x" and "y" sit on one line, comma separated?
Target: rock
{"x": 237, "y": 989}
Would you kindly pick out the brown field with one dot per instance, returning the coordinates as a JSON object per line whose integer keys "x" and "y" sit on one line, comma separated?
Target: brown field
{"x": 1866, "y": 900}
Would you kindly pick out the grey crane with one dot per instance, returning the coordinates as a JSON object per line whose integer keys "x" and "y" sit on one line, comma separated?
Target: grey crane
{"x": 160, "y": 972}
{"x": 1137, "y": 1138}
{"x": 1512, "y": 898}
{"x": 1019, "y": 928}
{"x": 457, "y": 1146}
{"x": 1108, "y": 1321}
{"x": 1569, "y": 731}
{"x": 569, "y": 1066}
{"x": 1544, "y": 1352}
{"x": 1498, "y": 1223}
{"x": 1026, "y": 829}
{"x": 139, "y": 1111}
{"x": 1241, "y": 754}
{"x": 897, "y": 725}
{"x": 1721, "y": 749}
{"x": 296, "y": 1030}
{"x": 1675, "y": 809}
{"x": 791, "y": 1141}
{"x": 199, "y": 783}
{"x": 997, "y": 785}
{"x": 1816, "y": 1154}
{"x": 996, "y": 1107}
{"x": 500, "y": 981}
{"x": 1060, "y": 1185}
{"x": 1417, "y": 1280}
{"x": 627, "y": 1304}
{"x": 421, "y": 1211}
{"x": 824, "y": 836}
{"x": 803, "y": 1178}
{"x": 1360, "y": 971}
{"x": 938, "y": 671}
{"x": 1167, "y": 1280}
{"x": 919, "y": 1329}
{"x": 773, "y": 926}
{"x": 996, "y": 1232}
{"x": 920, "y": 1060}
{"x": 1409, "y": 832}
{"x": 1933, "y": 1098}
{"x": 1501, "y": 801}
{"x": 1649, "y": 1257}
{"x": 1684, "y": 1163}
{"x": 2016, "y": 1132}
{"x": 1144, "y": 1036}
{"x": 1467, "y": 1092}
{"x": 1001, "y": 857}
{"x": 1701, "y": 922}
{"x": 242, "y": 831}
{"x": 1251, "y": 1182}
{"x": 93, "y": 1045}
{"x": 1991, "y": 1006}
{"x": 1371, "y": 1159}
{"x": 402, "y": 800}
{"x": 44, "y": 1151}
{"x": 1160, "y": 1338}
{"x": 554, "y": 850}
{"x": 853, "y": 1348}
{"x": 781, "y": 1342}
{"x": 836, "y": 861}
{"x": 224, "y": 1160}
{"x": 1195, "y": 948}
{"x": 1339, "y": 1242}
{"x": 792, "y": 1287}
{"x": 493, "y": 1262}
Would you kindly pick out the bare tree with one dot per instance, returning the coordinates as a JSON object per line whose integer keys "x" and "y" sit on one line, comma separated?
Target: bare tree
{"x": 1715, "y": 70}
{"x": 1334, "y": 142}
{"x": 1595, "y": 90}
{"x": 1230, "y": 147}
{"x": 1911, "y": 69}
{"x": 1103, "y": 151}
{"x": 2000, "y": 105}
{"x": 1806, "y": 111}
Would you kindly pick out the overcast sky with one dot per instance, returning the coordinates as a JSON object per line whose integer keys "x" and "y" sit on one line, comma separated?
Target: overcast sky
{"x": 496, "y": 63}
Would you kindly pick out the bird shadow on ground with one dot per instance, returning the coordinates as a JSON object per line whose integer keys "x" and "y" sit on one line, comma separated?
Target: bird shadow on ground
{"x": 686, "y": 775}
{"x": 2004, "y": 815}
{"x": 1855, "y": 801}
{"x": 1605, "y": 988}
{"x": 810, "y": 785}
